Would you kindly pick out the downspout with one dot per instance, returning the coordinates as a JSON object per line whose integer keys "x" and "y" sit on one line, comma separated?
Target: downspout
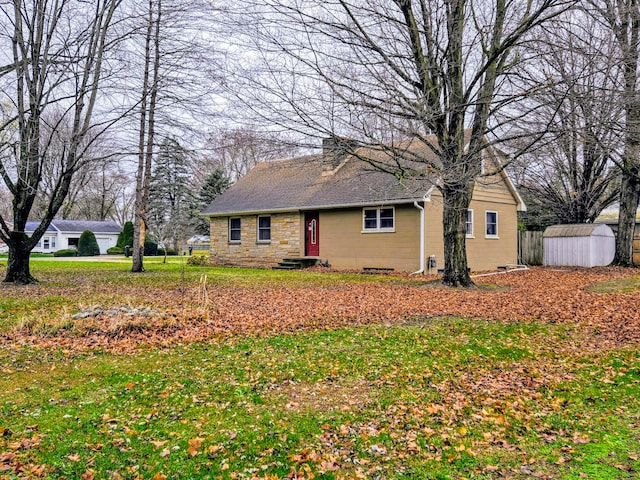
{"x": 417, "y": 205}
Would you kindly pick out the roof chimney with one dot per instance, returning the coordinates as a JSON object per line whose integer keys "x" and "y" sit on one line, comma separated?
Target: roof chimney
{"x": 335, "y": 151}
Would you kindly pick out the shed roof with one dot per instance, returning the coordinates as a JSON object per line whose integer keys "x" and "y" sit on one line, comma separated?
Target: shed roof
{"x": 578, "y": 230}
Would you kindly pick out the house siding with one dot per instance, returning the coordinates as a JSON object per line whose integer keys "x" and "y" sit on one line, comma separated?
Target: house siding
{"x": 249, "y": 252}
{"x": 344, "y": 244}
{"x": 482, "y": 253}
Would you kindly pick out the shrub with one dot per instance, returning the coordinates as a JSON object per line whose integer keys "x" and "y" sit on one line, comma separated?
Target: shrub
{"x": 150, "y": 247}
{"x": 115, "y": 251}
{"x": 69, "y": 252}
{"x": 87, "y": 244}
{"x": 169, "y": 251}
{"x": 200, "y": 260}
{"x": 125, "y": 237}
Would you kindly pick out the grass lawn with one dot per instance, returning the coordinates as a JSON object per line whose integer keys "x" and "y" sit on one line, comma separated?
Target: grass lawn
{"x": 333, "y": 391}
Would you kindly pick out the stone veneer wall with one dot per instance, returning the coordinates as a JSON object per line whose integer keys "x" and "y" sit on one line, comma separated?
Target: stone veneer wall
{"x": 285, "y": 241}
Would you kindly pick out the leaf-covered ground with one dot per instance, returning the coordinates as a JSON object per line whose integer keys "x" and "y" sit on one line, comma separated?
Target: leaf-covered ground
{"x": 211, "y": 307}
{"x": 247, "y": 374}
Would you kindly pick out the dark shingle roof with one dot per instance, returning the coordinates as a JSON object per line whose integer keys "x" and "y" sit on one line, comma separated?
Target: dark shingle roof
{"x": 78, "y": 226}
{"x": 299, "y": 183}
{"x": 31, "y": 226}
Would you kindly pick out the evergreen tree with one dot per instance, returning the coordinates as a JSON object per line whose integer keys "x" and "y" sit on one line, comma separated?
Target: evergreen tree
{"x": 214, "y": 184}
{"x": 125, "y": 237}
{"x": 87, "y": 244}
{"x": 170, "y": 194}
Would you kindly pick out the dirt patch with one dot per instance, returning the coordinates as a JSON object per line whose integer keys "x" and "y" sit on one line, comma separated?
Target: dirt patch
{"x": 324, "y": 396}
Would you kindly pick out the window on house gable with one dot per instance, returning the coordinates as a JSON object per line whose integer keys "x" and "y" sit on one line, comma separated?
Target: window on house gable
{"x": 380, "y": 219}
{"x": 264, "y": 228}
{"x": 491, "y": 224}
{"x": 469, "y": 223}
{"x": 235, "y": 234}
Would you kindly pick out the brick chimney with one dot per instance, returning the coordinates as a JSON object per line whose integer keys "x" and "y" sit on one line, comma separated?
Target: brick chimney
{"x": 335, "y": 151}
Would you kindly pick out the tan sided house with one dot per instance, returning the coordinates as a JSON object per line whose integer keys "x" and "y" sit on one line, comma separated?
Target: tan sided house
{"x": 339, "y": 209}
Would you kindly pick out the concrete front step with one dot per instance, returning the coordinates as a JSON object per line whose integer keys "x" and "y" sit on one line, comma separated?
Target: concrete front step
{"x": 296, "y": 263}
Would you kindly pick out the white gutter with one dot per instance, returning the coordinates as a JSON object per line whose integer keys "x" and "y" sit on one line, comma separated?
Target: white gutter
{"x": 402, "y": 201}
{"x": 417, "y": 205}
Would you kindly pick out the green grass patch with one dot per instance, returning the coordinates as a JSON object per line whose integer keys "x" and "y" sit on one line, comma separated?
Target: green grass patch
{"x": 441, "y": 398}
{"x": 623, "y": 285}
{"x": 431, "y": 398}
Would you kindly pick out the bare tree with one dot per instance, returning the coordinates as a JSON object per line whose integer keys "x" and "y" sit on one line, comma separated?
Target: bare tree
{"x": 57, "y": 52}
{"x": 238, "y": 150}
{"x": 418, "y": 68}
{"x": 175, "y": 75}
{"x": 570, "y": 176}
{"x": 103, "y": 188}
{"x": 622, "y": 19}
{"x": 90, "y": 181}
{"x": 147, "y": 131}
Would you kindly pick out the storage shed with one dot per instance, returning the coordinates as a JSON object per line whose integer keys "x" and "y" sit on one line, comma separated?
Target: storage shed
{"x": 579, "y": 245}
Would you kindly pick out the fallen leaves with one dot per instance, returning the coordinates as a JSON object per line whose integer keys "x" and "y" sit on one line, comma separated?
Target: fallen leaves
{"x": 547, "y": 295}
{"x": 487, "y": 398}
{"x": 194, "y": 446}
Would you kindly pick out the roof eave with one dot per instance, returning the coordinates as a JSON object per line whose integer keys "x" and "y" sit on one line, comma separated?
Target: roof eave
{"x": 426, "y": 198}
{"x": 520, "y": 205}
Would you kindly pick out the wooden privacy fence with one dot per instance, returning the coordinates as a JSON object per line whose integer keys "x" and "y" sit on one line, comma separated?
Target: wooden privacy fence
{"x": 530, "y": 248}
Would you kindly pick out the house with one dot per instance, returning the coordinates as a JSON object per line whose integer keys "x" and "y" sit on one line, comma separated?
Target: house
{"x": 63, "y": 234}
{"x": 579, "y": 245}
{"x": 339, "y": 209}
{"x": 197, "y": 244}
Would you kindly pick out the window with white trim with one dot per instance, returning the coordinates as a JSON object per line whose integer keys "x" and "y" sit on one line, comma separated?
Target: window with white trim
{"x": 491, "y": 224}
{"x": 235, "y": 229}
{"x": 264, "y": 228}
{"x": 379, "y": 219}
{"x": 469, "y": 223}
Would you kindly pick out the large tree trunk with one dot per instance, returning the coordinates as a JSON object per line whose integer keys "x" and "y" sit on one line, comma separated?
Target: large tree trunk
{"x": 18, "y": 270}
{"x": 140, "y": 233}
{"x": 454, "y": 217}
{"x": 147, "y": 125}
{"x": 629, "y": 197}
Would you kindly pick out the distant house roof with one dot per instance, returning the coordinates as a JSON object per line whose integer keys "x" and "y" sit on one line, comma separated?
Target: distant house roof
{"x": 78, "y": 226}
{"x": 610, "y": 215}
{"x": 199, "y": 240}
{"x": 31, "y": 226}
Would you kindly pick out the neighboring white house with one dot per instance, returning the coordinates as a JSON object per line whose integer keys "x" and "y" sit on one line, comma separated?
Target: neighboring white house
{"x": 63, "y": 234}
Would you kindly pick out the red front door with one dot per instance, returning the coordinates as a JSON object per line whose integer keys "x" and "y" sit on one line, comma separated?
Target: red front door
{"x": 312, "y": 243}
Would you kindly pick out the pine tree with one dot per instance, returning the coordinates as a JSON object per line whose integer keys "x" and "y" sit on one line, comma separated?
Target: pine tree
{"x": 125, "y": 237}
{"x": 170, "y": 194}
{"x": 214, "y": 184}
